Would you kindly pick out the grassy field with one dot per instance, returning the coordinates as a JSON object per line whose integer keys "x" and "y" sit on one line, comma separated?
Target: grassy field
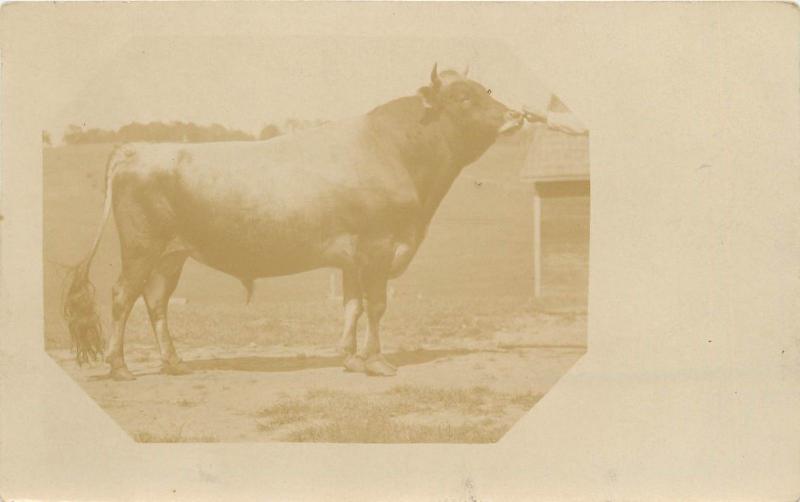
{"x": 470, "y": 283}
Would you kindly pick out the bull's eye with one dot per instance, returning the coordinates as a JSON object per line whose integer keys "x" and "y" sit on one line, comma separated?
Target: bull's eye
{"x": 489, "y": 92}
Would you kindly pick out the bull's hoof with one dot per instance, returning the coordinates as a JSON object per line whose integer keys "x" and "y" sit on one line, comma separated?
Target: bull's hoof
{"x": 355, "y": 364}
{"x": 178, "y": 368}
{"x": 121, "y": 374}
{"x": 378, "y": 366}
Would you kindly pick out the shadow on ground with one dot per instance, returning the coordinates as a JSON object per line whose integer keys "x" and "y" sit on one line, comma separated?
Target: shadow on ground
{"x": 300, "y": 363}
{"x": 295, "y": 363}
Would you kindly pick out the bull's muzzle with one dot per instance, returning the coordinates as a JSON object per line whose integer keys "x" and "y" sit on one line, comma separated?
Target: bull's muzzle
{"x": 513, "y": 121}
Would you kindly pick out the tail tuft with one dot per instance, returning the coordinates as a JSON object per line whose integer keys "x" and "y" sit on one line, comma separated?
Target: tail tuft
{"x": 79, "y": 306}
{"x": 80, "y": 312}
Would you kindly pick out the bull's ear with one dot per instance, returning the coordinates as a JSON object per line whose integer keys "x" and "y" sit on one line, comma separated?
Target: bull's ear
{"x": 428, "y": 95}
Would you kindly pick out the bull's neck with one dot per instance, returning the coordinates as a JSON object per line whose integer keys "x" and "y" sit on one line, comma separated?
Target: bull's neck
{"x": 431, "y": 149}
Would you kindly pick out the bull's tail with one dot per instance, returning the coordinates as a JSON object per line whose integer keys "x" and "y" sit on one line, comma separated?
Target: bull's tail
{"x": 78, "y": 304}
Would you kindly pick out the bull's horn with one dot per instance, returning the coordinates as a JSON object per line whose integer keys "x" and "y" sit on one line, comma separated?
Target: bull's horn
{"x": 435, "y": 80}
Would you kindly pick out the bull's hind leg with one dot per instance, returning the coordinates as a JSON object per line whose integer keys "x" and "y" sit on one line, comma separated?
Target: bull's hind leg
{"x": 353, "y": 308}
{"x": 125, "y": 292}
{"x": 157, "y": 291}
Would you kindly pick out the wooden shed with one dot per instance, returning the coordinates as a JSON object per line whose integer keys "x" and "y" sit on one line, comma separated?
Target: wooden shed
{"x": 557, "y": 164}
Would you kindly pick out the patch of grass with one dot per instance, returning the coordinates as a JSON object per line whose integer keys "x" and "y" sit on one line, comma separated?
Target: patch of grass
{"x": 387, "y": 431}
{"x": 319, "y": 393}
{"x": 427, "y": 398}
{"x": 287, "y": 411}
{"x": 400, "y": 414}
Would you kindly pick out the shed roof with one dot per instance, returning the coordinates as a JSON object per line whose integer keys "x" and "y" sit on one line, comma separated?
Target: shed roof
{"x": 555, "y": 155}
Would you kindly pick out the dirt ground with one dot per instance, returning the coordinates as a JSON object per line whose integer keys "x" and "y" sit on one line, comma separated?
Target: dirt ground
{"x": 474, "y": 349}
{"x": 465, "y": 390}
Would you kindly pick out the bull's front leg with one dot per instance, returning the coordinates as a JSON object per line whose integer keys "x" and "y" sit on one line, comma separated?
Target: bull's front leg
{"x": 374, "y": 285}
{"x": 353, "y": 308}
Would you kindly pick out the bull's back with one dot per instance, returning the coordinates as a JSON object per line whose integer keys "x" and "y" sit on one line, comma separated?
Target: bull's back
{"x": 281, "y": 206}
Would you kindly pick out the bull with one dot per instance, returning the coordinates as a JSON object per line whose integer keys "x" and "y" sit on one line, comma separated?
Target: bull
{"x": 357, "y": 195}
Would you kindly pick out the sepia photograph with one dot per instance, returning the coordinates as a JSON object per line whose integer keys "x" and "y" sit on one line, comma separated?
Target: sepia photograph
{"x": 399, "y": 251}
{"x": 359, "y": 256}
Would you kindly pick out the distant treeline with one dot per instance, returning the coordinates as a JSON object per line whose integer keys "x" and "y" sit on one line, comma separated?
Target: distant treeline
{"x": 161, "y": 132}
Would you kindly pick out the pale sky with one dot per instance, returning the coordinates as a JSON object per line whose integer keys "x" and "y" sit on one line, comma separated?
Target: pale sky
{"x": 248, "y": 82}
